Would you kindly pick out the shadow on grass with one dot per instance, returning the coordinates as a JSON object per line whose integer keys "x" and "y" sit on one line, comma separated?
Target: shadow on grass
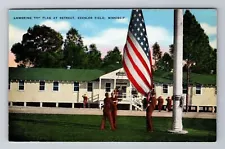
{"x": 200, "y": 124}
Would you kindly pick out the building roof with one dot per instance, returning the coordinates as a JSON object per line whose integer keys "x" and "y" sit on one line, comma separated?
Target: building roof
{"x": 163, "y": 77}
{"x": 167, "y": 77}
{"x": 56, "y": 74}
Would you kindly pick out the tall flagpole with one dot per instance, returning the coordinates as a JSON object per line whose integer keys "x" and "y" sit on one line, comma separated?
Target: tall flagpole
{"x": 178, "y": 99}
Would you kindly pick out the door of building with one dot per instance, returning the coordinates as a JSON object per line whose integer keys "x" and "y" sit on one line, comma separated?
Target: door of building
{"x": 122, "y": 91}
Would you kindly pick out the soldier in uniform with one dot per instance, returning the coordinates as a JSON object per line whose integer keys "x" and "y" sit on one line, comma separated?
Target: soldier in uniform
{"x": 151, "y": 103}
{"x": 85, "y": 101}
{"x": 114, "y": 110}
{"x": 107, "y": 112}
{"x": 169, "y": 104}
{"x": 160, "y": 103}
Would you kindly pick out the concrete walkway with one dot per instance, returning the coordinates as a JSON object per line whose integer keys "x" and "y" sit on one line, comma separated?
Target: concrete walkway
{"x": 81, "y": 111}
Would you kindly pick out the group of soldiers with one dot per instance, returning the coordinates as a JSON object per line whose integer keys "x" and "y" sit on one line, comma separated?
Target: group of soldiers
{"x": 168, "y": 105}
{"x": 110, "y": 108}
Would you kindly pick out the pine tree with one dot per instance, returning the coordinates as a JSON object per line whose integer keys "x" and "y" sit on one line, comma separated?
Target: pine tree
{"x": 74, "y": 51}
{"x": 196, "y": 44}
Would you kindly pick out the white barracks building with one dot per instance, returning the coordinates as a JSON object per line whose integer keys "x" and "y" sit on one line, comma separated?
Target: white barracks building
{"x": 48, "y": 87}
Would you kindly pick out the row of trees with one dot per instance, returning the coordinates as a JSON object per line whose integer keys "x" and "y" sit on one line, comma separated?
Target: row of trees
{"x": 42, "y": 46}
{"x": 196, "y": 49}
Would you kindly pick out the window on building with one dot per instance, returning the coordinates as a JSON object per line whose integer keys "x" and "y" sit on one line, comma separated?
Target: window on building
{"x": 165, "y": 88}
{"x": 185, "y": 89}
{"x": 198, "y": 89}
{"x": 76, "y": 86}
{"x": 42, "y": 85}
{"x": 55, "y": 86}
{"x": 9, "y": 84}
{"x": 107, "y": 87}
{"x": 90, "y": 87}
{"x": 21, "y": 85}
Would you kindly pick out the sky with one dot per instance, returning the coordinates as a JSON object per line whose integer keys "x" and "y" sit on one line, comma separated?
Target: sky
{"x": 96, "y": 27}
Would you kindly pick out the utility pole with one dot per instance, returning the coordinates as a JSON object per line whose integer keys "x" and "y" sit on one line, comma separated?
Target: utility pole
{"x": 189, "y": 63}
{"x": 187, "y": 94}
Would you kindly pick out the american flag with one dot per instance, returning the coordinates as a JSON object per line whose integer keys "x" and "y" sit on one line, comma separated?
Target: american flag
{"x": 137, "y": 60}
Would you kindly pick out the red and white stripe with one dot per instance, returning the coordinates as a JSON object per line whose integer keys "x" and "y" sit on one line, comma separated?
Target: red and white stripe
{"x": 137, "y": 65}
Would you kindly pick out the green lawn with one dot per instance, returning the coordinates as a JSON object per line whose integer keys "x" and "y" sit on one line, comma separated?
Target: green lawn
{"x": 35, "y": 127}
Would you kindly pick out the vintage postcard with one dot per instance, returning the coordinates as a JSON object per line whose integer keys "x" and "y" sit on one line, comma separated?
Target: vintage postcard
{"x": 112, "y": 75}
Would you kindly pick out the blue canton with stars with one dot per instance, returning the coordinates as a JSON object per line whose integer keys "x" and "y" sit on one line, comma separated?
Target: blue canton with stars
{"x": 137, "y": 28}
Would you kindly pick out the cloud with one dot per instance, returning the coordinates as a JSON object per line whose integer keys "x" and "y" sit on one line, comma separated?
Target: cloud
{"x": 122, "y": 21}
{"x": 11, "y": 62}
{"x": 209, "y": 30}
{"x": 111, "y": 37}
{"x": 58, "y": 26}
{"x": 15, "y": 35}
{"x": 213, "y": 43}
{"x": 107, "y": 39}
{"x": 160, "y": 35}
